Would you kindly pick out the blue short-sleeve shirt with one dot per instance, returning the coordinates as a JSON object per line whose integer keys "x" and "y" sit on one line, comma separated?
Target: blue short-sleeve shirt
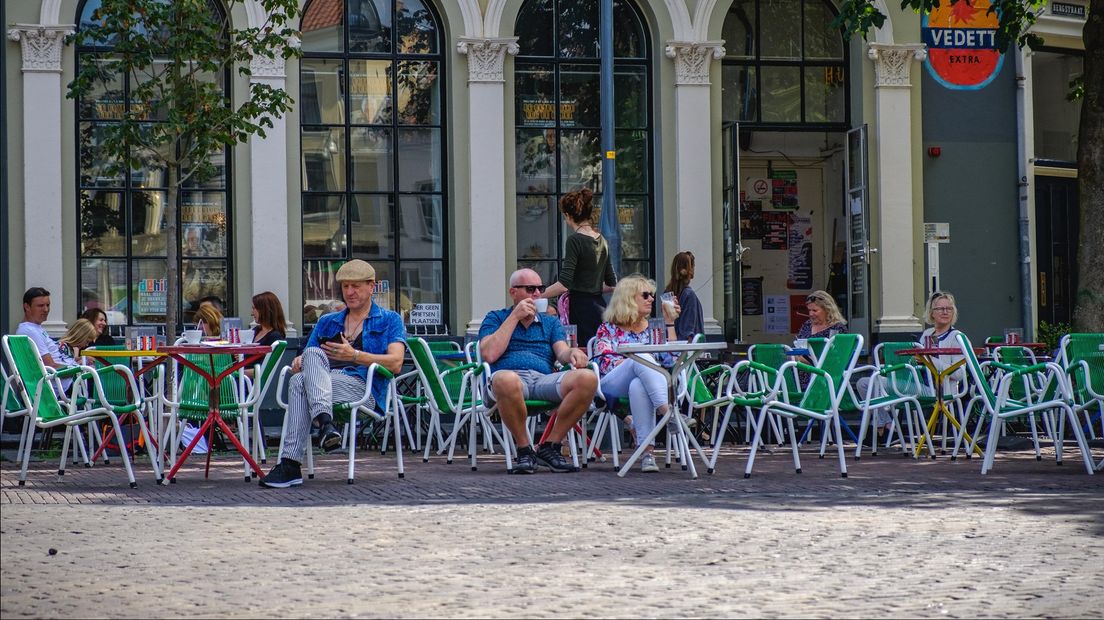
{"x": 530, "y": 347}
{"x": 381, "y": 328}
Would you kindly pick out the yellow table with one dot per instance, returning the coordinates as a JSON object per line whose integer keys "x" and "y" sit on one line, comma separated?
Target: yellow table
{"x": 927, "y": 358}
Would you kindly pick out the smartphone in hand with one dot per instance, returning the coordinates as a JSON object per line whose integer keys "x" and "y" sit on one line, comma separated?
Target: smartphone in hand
{"x": 336, "y": 338}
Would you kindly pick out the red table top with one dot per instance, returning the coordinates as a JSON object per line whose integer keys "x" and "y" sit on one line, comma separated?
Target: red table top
{"x": 931, "y": 351}
{"x": 1030, "y": 345}
{"x": 217, "y": 349}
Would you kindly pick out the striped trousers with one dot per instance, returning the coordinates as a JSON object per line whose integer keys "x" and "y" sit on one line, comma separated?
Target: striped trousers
{"x": 312, "y": 393}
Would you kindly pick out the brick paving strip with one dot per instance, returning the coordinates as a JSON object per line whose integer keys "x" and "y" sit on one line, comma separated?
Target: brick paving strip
{"x": 896, "y": 538}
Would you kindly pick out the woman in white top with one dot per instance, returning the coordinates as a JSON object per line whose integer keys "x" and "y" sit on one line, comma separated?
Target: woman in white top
{"x": 941, "y": 313}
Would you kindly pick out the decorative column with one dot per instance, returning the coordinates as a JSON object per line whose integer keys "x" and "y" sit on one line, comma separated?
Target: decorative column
{"x": 269, "y": 209}
{"x": 42, "y": 201}
{"x": 487, "y": 161}
{"x": 695, "y": 223}
{"x": 893, "y": 139}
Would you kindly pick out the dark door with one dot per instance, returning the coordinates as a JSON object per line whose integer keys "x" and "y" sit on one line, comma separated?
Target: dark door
{"x": 1056, "y": 227}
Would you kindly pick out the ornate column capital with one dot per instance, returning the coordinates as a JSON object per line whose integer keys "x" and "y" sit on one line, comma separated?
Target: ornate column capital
{"x": 692, "y": 60}
{"x": 893, "y": 63}
{"x": 262, "y": 67}
{"x": 486, "y": 57}
{"x": 41, "y": 45}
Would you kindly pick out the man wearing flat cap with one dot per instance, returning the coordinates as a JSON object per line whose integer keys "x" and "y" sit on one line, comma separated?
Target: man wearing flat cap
{"x": 334, "y": 366}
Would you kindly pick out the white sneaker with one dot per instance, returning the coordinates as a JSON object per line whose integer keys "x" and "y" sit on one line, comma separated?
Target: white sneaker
{"x": 648, "y": 464}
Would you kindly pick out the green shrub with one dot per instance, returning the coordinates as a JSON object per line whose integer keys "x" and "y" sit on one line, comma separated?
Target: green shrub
{"x": 1052, "y": 333}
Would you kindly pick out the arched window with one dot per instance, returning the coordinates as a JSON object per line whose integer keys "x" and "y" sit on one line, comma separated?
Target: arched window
{"x": 373, "y": 151}
{"x": 121, "y": 219}
{"x": 785, "y": 66}
{"x": 558, "y": 127}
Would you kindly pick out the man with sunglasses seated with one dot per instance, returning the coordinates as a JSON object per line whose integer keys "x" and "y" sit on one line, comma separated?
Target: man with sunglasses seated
{"x": 521, "y": 347}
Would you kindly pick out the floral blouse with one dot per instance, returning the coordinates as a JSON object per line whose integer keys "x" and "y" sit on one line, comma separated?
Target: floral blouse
{"x": 806, "y": 331}
{"x": 610, "y": 335}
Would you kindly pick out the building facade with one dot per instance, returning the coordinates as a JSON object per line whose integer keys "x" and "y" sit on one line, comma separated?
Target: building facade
{"x": 433, "y": 138}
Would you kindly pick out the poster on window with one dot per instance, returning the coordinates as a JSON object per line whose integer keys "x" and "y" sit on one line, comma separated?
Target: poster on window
{"x": 776, "y": 317}
{"x": 203, "y": 224}
{"x": 751, "y": 296}
{"x": 801, "y": 254}
{"x": 784, "y": 189}
{"x": 776, "y": 227}
{"x": 151, "y": 296}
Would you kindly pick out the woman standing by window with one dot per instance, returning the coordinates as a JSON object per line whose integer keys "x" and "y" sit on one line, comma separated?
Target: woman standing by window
{"x": 587, "y": 271}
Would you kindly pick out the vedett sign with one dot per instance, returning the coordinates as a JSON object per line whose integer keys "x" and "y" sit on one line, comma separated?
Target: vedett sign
{"x": 962, "y": 44}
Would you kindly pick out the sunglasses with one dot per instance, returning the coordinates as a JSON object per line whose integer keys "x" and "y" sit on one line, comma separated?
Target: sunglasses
{"x": 647, "y": 295}
{"x": 531, "y": 288}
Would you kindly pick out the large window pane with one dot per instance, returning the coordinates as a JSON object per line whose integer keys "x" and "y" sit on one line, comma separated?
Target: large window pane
{"x": 321, "y": 291}
{"x": 739, "y": 30}
{"x": 420, "y": 283}
{"x": 371, "y": 159}
{"x": 103, "y": 231}
{"x": 536, "y": 160}
{"x": 535, "y": 95}
{"x": 147, "y": 223}
{"x": 217, "y": 180}
{"x": 322, "y": 87}
{"x": 323, "y": 27}
{"x": 416, "y": 28}
{"x": 579, "y": 96}
{"x": 538, "y": 220}
{"x": 578, "y": 28}
{"x": 822, "y": 42}
{"x": 419, "y": 160}
{"x": 633, "y": 218}
{"x": 369, "y": 25}
{"x": 628, "y": 32}
{"x": 824, "y": 95}
{"x": 419, "y": 95}
{"x": 738, "y": 98}
{"x": 422, "y": 226}
{"x": 781, "y": 30}
{"x": 580, "y": 159}
{"x": 104, "y": 286}
{"x": 632, "y": 160}
{"x": 370, "y": 101}
{"x": 535, "y": 28}
{"x": 781, "y": 94}
{"x": 323, "y": 159}
{"x": 203, "y": 223}
{"x": 106, "y": 100}
{"x": 94, "y": 162}
{"x": 630, "y": 91}
{"x": 147, "y": 298}
{"x": 202, "y": 278}
{"x": 373, "y": 233}
{"x": 323, "y": 226}
{"x": 1056, "y": 118}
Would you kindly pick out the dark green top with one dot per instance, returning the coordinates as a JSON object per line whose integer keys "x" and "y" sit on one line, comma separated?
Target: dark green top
{"x": 586, "y": 264}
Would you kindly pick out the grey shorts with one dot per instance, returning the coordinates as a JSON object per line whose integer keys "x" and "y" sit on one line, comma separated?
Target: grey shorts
{"x": 535, "y": 385}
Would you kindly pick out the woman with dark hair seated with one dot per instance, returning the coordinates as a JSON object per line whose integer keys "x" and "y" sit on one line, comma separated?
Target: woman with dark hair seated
{"x": 98, "y": 318}
{"x": 268, "y": 314}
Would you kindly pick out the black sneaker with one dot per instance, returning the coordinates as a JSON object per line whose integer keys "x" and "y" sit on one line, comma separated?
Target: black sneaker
{"x": 328, "y": 438}
{"x": 525, "y": 464}
{"x": 549, "y": 456}
{"x": 285, "y": 474}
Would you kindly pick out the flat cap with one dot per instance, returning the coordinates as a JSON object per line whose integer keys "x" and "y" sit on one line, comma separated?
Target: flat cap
{"x": 356, "y": 270}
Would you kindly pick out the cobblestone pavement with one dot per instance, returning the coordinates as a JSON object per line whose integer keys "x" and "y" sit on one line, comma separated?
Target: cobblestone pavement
{"x": 896, "y": 538}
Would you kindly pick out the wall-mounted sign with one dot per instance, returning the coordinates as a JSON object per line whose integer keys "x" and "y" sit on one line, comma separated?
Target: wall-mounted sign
{"x": 937, "y": 232}
{"x": 425, "y": 314}
{"x": 1063, "y": 9}
{"x": 962, "y": 44}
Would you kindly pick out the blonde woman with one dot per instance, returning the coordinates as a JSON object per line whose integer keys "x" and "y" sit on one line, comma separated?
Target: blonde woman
{"x": 825, "y": 319}
{"x": 209, "y": 319}
{"x": 81, "y": 334}
{"x": 626, "y": 321}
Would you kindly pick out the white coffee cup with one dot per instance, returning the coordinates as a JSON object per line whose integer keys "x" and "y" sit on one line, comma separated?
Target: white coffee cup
{"x": 193, "y": 336}
{"x": 542, "y": 304}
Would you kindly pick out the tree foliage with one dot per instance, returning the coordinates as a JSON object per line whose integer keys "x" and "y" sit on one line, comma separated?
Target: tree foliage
{"x": 1016, "y": 17}
{"x": 176, "y": 54}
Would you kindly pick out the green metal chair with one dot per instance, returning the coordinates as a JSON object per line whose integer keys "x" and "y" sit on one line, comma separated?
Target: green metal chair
{"x": 821, "y": 401}
{"x": 36, "y": 385}
{"x": 1082, "y": 356}
{"x": 349, "y": 413}
{"x": 895, "y": 382}
{"x": 254, "y": 391}
{"x": 997, "y": 405}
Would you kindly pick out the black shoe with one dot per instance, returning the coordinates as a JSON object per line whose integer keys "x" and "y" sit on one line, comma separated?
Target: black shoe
{"x": 328, "y": 438}
{"x": 525, "y": 464}
{"x": 549, "y": 456}
{"x": 285, "y": 474}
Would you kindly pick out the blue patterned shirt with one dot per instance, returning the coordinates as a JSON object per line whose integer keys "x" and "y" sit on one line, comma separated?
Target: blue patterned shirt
{"x": 530, "y": 347}
{"x": 381, "y": 328}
